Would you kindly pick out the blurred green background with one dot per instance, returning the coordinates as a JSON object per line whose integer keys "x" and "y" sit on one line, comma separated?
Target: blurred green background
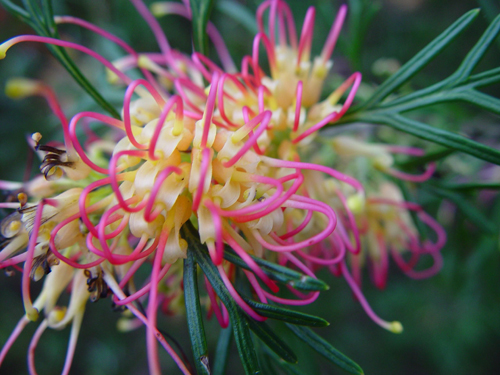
{"x": 451, "y": 321}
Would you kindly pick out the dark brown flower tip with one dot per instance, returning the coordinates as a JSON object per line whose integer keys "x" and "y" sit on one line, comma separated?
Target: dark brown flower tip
{"x": 96, "y": 286}
{"x": 42, "y": 265}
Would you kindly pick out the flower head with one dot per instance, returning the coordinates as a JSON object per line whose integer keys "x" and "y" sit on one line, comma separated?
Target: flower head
{"x": 226, "y": 157}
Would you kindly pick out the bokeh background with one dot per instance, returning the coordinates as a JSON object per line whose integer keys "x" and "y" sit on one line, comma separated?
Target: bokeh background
{"x": 451, "y": 321}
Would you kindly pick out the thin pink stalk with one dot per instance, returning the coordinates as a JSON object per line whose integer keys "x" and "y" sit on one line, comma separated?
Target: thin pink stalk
{"x": 331, "y": 40}
{"x": 283, "y": 247}
{"x": 362, "y": 300}
{"x": 325, "y": 262}
{"x": 218, "y": 256}
{"x": 412, "y": 177}
{"x": 306, "y": 36}
{"x": 113, "y": 285}
{"x": 113, "y": 173}
{"x": 205, "y": 160}
{"x": 153, "y": 359}
{"x": 221, "y": 318}
{"x": 352, "y": 224}
{"x": 250, "y": 262}
{"x": 209, "y": 108}
{"x": 160, "y": 178}
{"x": 63, "y": 43}
{"x": 314, "y": 167}
{"x": 76, "y": 144}
{"x": 144, "y": 290}
{"x": 30, "y": 252}
{"x": 297, "y": 230}
{"x": 221, "y": 93}
{"x": 179, "y": 116}
{"x": 262, "y": 119}
{"x": 154, "y": 26}
{"x": 12, "y": 205}
{"x": 33, "y": 344}
{"x": 126, "y": 107}
{"x": 212, "y": 32}
{"x": 237, "y": 298}
{"x": 23, "y": 322}
{"x": 260, "y": 205}
{"x": 355, "y": 81}
{"x": 133, "y": 268}
{"x": 268, "y": 45}
{"x": 423, "y": 274}
{"x": 56, "y": 252}
{"x": 110, "y": 37}
{"x": 255, "y": 285}
{"x": 73, "y": 338}
{"x": 298, "y": 105}
{"x": 381, "y": 267}
{"x": 414, "y": 151}
{"x": 181, "y": 84}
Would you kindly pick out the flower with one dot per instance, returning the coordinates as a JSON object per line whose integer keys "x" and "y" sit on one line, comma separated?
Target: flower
{"x": 226, "y": 158}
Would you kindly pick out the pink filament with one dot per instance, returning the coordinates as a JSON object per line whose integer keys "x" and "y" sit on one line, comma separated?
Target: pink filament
{"x": 360, "y": 297}
{"x": 219, "y": 244}
{"x": 126, "y": 107}
{"x": 23, "y": 322}
{"x": 355, "y": 81}
{"x": 62, "y": 43}
{"x": 179, "y": 116}
{"x": 31, "y": 248}
{"x": 155, "y": 27}
{"x": 205, "y": 160}
{"x": 250, "y": 262}
{"x": 298, "y": 105}
{"x": 74, "y": 139}
{"x": 153, "y": 359}
{"x": 334, "y": 34}
{"x": 255, "y": 55}
{"x": 411, "y": 177}
{"x": 222, "y": 317}
{"x": 237, "y": 298}
{"x": 263, "y": 119}
{"x": 314, "y": 167}
{"x": 162, "y": 176}
{"x": 113, "y": 173}
{"x": 119, "y": 293}
{"x": 306, "y": 36}
{"x": 33, "y": 344}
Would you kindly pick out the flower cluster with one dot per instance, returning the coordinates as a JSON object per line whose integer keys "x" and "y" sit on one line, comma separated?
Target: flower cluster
{"x": 220, "y": 149}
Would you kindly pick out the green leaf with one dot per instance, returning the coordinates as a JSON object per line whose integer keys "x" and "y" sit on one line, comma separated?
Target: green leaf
{"x": 239, "y": 13}
{"x": 477, "y": 52}
{"x": 279, "y": 273}
{"x": 420, "y": 60}
{"x": 484, "y": 101}
{"x": 290, "y": 369}
{"x": 222, "y": 350}
{"x": 472, "y": 186}
{"x": 200, "y": 10}
{"x": 325, "y": 349}
{"x": 483, "y": 79}
{"x": 16, "y": 10}
{"x": 194, "y": 316}
{"x": 272, "y": 341}
{"x": 474, "y": 214}
{"x": 436, "y": 135}
{"x": 239, "y": 321}
{"x": 286, "y": 315}
{"x": 37, "y": 20}
{"x": 429, "y": 157}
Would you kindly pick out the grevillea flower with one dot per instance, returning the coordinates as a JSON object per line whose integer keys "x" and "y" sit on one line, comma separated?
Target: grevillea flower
{"x": 225, "y": 157}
